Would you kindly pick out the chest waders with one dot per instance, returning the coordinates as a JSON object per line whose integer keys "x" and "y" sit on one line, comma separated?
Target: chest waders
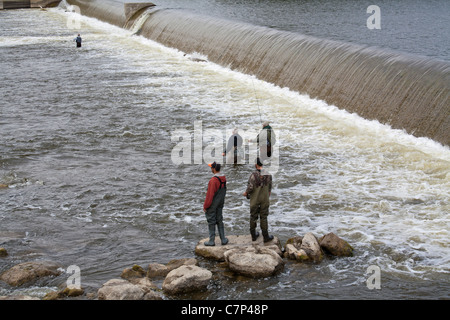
{"x": 259, "y": 208}
{"x": 214, "y": 215}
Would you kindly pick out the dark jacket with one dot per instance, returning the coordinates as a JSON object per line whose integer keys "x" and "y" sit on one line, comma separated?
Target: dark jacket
{"x": 214, "y": 185}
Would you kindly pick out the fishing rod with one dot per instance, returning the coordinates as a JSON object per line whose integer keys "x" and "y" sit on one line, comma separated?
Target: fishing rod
{"x": 257, "y": 101}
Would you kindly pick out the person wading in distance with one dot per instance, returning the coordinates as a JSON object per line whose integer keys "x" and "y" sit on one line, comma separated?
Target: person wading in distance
{"x": 78, "y": 41}
{"x": 233, "y": 150}
{"x": 266, "y": 139}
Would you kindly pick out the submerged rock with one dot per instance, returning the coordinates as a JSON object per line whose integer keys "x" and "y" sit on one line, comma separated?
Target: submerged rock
{"x": 29, "y": 271}
{"x": 62, "y": 294}
{"x": 18, "y": 297}
{"x": 3, "y": 252}
{"x": 133, "y": 272}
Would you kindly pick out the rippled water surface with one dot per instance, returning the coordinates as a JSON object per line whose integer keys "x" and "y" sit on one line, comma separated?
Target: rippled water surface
{"x": 86, "y": 151}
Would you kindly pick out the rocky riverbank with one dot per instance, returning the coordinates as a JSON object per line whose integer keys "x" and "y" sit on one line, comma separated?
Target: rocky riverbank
{"x": 241, "y": 256}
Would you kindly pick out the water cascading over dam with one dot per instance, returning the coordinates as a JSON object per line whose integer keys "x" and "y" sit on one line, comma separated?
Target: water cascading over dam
{"x": 405, "y": 91}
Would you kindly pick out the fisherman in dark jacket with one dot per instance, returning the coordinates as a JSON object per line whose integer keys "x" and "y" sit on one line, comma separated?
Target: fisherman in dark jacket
{"x": 78, "y": 41}
{"x": 258, "y": 191}
{"x": 213, "y": 205}
{"x": 265, "y": 140}
{"x": 234, "y": 148}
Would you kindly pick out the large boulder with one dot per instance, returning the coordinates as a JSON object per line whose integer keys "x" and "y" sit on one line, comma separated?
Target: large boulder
{"x": 217, "y": 252}
{"x": 187, "y": 278}
{"x": 136, "y": 276}
{"x": 336, "y": 246}
{"x": 151, "y": 291}
{"x": 304, "y": 248}
{"x": 28, "y": 272}
{"x": 311, "y": 246}
{"x": 120, "y": 289}
{"x": 254, "y": 261}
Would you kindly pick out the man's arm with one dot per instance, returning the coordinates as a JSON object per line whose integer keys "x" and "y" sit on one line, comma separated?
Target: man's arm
{"x": 250, "y": 185}
{"x": 213, "y": 186}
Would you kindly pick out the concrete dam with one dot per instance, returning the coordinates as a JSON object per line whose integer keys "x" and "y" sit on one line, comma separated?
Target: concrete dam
{"x": 407, "y": 92}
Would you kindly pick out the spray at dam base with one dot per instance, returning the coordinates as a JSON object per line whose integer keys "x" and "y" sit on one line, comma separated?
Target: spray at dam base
{"x": 406, "y": 92}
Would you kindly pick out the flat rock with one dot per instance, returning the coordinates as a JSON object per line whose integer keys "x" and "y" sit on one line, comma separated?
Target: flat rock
{"x": 217, "y": 252}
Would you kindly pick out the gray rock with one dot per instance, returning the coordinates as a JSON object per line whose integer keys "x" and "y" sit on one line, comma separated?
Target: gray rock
{"x": 312, "y": 248}
{"x": 294, "y": 253}
{"x": 254, "y": 262}
{"x": 217, "y": 252}
{"x": 160, "y": 270}
{"x": 157, "y": 270}
{"x": 186, "y": 278}
{"x": 303, "y": 249}
{"x": 120, "y": 289}
{"x": 151, "y": 290}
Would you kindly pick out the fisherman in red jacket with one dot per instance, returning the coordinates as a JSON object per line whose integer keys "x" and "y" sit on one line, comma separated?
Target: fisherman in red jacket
{"x": 215, "y": 199}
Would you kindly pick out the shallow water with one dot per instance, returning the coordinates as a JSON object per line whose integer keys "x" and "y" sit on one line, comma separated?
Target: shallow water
{"x": 87, "y": 151}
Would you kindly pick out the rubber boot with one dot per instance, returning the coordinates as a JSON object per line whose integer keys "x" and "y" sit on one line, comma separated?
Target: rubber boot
{"x": 255, "y": 234}
{"x": 266, "y": 236}
{"x": 212, "y": 236}
{"x": 221, "y": 229}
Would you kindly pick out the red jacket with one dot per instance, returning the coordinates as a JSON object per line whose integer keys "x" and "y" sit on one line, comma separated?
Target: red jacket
{"x": 213, "y": 186}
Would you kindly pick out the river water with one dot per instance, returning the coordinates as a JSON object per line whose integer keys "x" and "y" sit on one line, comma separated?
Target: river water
{"x": 87, "y": 151}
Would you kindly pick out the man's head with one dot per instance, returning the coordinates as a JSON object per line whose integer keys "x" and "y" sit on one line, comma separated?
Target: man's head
{"x": 215, "y": 167}
{"x": 258, "y": 164}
